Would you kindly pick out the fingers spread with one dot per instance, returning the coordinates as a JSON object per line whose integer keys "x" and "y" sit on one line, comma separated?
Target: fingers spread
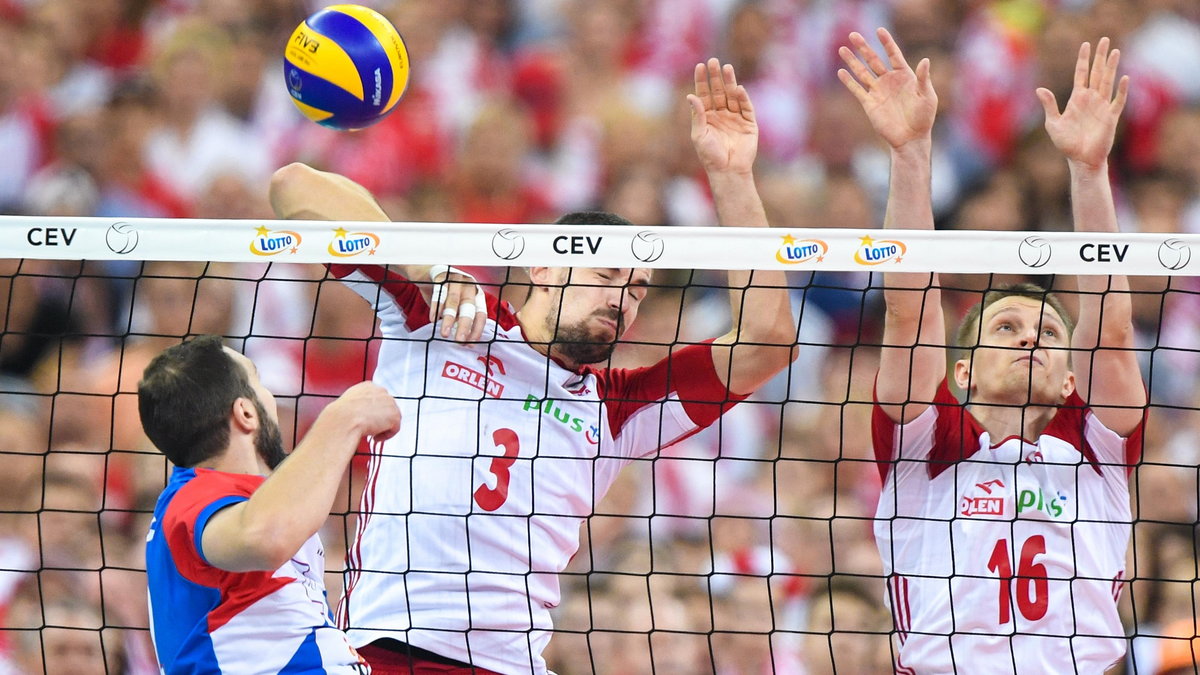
{"x": 1118, "y": 103}
{"x": 1081, "y": 65}
{"x": 855, "y": 88}
{"x": 1096, "y": 75}
{"x": 895, "y": 56}
{"x": 868, "y": 54}
{"x": 716, "y": 84}
{"x": 1110, "y": 73}
{"x": 702, "y": 92}
{"x": 865, "y": 77}
{"x": 1049, "y": 103}
{"x": 923, "y": 81}
{"x": 732, "y": 89}
{"x": 744, "y": 104}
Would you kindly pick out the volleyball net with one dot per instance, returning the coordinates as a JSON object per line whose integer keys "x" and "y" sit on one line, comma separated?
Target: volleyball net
{"x": 748, "y": 547}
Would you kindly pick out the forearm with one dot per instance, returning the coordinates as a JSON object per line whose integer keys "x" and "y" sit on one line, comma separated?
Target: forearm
{"x": 300, "y": 192}
{"x": 1093, "y": 210}
{"x": 295, "y": 500}
{"x": 759, "y": 302}
{"x": 910, "y": 207}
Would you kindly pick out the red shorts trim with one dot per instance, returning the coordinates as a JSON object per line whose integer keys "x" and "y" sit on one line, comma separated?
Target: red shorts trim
{"x": 387, "y": 662}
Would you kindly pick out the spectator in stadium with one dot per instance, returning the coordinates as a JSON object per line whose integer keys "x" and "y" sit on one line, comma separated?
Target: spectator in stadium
{"x": 478, "y": 504}
{"x": 233, "y": 562}
{"x": 968, "y": 504}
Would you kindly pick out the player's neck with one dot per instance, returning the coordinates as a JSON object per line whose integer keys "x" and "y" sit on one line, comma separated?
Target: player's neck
{"x": 1004, "y": 421}
{"x": 239, "y": 457}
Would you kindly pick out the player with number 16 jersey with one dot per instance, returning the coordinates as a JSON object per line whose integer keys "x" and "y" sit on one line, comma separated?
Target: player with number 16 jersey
{"x": 1004, "y": 520}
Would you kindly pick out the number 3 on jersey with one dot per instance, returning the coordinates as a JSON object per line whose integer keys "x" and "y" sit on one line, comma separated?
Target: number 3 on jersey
{"x": 490, "y": 499}
{"x": 1033, "y": 605}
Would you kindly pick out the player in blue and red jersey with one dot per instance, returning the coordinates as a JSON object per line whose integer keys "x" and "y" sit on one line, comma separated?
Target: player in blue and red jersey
{"x": 234, "y": 564}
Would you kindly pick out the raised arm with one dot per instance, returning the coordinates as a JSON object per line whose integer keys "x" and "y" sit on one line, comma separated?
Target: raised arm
{"x": 901, "y": 105}
{"x": 1106, "y": 370}
{"x": 300, "y": 192}
{"x": 263, "y": 532}
{"x": 762, "y": 341}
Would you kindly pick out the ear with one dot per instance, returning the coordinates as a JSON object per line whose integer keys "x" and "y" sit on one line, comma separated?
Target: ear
{"x": 1068, "y": 385}
{"x": 962, "y": 373}
{"x": 542, "y": 277}
{"x": 244, "y": 415}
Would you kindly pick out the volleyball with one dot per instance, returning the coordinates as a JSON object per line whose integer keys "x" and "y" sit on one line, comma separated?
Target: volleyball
{"x": 346, "y": 67}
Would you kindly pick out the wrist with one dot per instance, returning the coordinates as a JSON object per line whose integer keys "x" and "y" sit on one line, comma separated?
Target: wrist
{"x": 727, "y": 179}
{"x": 916, "y": 149}
{"x": 1086, "y": 171}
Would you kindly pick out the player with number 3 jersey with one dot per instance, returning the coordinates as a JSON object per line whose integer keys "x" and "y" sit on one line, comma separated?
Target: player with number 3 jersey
{"x": 1004, "y": 521}
{"x": 515, "y": 426}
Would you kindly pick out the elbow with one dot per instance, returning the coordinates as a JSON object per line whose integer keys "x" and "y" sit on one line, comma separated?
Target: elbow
{"x": 288, "y": 186}
{"x": 268, "y": 548}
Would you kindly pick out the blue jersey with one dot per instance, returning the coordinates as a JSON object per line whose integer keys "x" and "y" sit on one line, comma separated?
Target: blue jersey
{"x": 207, "y": 620}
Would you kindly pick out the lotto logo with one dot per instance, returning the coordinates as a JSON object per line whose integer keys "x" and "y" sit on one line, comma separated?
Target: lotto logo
{"x": 267, "y": 242}
{"x": 347, "y": 244}
{"x": 878, "y": 251}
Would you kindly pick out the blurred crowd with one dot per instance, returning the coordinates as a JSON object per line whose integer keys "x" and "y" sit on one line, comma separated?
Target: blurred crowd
{"x": 745, "y": 550}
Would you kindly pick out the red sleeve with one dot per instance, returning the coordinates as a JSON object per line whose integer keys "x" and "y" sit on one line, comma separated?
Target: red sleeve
{"x": 189, "y": 512}
{"x": 955, "y": 434}
{"x": 407, "y": 295}
{"x": 1070, "y": 424}
{"x": 687, "y": 374}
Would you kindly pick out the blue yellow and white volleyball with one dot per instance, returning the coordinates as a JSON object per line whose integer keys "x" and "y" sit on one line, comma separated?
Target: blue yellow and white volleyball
{"x": 346, "y": 67}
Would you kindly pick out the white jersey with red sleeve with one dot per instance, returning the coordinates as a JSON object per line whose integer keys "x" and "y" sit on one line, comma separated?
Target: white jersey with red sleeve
{"x": 474, "y": 507}
{"x": 1003, "y": 555}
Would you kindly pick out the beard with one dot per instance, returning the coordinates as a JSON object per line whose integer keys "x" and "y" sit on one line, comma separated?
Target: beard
{"x": 268, "y": 442}
{"x": 582, "y": 346}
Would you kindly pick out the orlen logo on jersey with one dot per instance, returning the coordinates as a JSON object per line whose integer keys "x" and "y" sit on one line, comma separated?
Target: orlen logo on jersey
{"x": 990, "y": 503}
{"x": 795, "y": 251}
{"x": 546, "y": 407}
{"x": 347, "y": 244}
{"x": 274, "y": 242}
{"x": 1037, "y": 500}
{"x": 469, "y": 376}
{"x": 878, "y": 251}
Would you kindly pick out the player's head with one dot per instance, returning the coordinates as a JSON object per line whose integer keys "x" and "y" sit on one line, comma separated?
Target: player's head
{"x": 585, "y": 310}
{"x": 1016, "y": 345}
{"x": 194, "y": 396}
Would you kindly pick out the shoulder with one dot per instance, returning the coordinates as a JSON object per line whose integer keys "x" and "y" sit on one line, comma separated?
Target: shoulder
{"x": 208, "y": 491}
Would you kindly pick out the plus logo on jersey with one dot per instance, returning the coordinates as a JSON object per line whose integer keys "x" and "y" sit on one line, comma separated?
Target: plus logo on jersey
{"x": 1036, "y": 500}
{"x": 990, "y": 503}
{"x": 469, "y": 376}
{"x": 591, "y": 434}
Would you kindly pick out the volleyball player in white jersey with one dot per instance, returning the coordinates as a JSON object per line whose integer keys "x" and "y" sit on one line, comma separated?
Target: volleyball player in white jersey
{"x": 511, "y": 440}
{"x": 1004, "y": 521}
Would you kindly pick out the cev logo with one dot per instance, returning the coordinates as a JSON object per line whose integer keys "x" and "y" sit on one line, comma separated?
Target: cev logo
{"x": 348, "y": 244}
{"x": 878, "y": 251}
{"x": 273, "y": 242}
{"x": 795, "y": 251}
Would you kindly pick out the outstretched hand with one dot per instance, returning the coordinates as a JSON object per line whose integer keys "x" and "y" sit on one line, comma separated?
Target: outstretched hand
{"x": 724, "y": 131}
{"x": 1084, "y": 132}
{"x": 899, "y": 101}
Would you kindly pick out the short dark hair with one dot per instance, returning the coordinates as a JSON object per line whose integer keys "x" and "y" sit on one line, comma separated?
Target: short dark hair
{"x": 591, "y": 218}
{"x": 185, "y": 397}
{"x": 967, "y": 337}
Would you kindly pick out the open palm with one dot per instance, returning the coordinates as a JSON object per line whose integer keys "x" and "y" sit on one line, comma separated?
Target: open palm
{"x": 724, "y": 130}
{"x": 900, "y": 102}
{"x": 1084, "y": 131}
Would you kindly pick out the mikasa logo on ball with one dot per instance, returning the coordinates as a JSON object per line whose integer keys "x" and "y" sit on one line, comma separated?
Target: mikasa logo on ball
{"x": 378, "y": 87}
